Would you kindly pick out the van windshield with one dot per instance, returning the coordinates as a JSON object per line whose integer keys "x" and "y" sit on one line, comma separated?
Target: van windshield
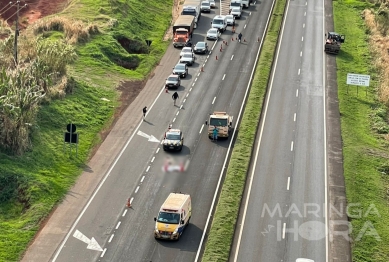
{"x": 168, "y": 218}
{"x": 235, "y": 4}
{"x": 217, "y": 22}
{"x": 218, "y": 122}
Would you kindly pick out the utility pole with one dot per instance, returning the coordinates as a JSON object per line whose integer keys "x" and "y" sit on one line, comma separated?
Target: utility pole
{"x": 16, "y": 32}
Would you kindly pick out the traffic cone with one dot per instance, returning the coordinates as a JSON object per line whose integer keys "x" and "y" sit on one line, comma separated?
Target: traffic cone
{"x": 202, "y": 69}
{"x": 244, "y": 39}
{"x": 216, "y": 57}
{"x": 221, "y": 49}
{"x": 232, "y": 39}
{"x": 128, "y": 203}
{"x": 166, "y": 90}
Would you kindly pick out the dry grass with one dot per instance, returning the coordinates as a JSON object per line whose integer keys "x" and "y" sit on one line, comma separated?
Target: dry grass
{"x": 75, "y": 31}
{"x": 380, "y": 47}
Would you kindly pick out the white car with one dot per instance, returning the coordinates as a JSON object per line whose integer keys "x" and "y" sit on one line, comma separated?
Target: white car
{"x": 205, "y": 6}
{"x": 186, "y": 50}
{"x": 212, "y": 3}
{"x": 230, "y": 19}
{"x": 213, "y": 34}
{"x": 236, "y": 12}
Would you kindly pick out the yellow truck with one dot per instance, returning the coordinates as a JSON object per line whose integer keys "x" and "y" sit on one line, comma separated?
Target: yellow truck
{"x": 221, "y": 122}
{"x": 173, "y": 217}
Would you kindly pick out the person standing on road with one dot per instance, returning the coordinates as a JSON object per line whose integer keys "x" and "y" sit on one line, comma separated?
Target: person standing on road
{"x": 214, "y": 133}
{"x": 144, "y": 112}
{"x": 175, "y": 97}
{"x": 240, "y": 37}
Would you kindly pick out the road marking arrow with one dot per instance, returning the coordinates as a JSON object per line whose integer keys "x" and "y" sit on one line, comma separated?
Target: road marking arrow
{"x": 92, "y": 243}
{"x": 150, "y": 138}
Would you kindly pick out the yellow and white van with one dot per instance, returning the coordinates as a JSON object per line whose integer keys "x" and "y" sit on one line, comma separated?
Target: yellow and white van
{"x": 173, "y": 216}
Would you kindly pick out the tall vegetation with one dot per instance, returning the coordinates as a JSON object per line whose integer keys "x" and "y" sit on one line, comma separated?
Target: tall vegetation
{"x": 26, "y": 83}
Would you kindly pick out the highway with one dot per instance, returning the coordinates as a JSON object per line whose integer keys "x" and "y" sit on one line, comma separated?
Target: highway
{"x": 127, "y": 234}
{"x": 283, "y": 215}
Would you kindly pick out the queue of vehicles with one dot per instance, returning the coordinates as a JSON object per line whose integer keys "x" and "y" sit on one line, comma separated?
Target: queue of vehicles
{"x": 176, "y": 211}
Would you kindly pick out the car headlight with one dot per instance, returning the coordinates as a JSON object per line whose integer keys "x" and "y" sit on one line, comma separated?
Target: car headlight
{"x": 175, "y": 231}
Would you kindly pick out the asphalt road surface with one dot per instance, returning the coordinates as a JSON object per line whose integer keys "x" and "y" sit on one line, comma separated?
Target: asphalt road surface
{"x": 121, "y": 234}
{"x": 283, "y": 216}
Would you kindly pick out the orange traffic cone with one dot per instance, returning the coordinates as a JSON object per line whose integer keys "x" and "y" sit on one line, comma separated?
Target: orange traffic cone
{"x": 216, "y": 57}
{"x": 202, "y": 69}
{"x": 128, "y": 203}
{"x": 166, "y": 90}
{"x": 244, "y": 39}
{"x": 232, "y": 39}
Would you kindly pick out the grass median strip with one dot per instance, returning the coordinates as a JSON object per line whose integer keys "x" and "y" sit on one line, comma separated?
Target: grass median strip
{"x": 223, "y": 226}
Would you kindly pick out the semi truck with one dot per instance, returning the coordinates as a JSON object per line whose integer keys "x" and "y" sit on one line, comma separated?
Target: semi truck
{"x": 183, "y": 30}
{"x": 221, "y": 122}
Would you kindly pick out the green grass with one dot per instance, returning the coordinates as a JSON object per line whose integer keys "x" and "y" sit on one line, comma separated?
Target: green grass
{"x": 222, "y": 230}
{"x": 32, "y": 184}
{"x": 364, "y": 151}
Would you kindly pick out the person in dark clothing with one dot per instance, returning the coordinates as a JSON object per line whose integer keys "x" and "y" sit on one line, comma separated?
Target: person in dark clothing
{"x": 240, "y": 37}
{"x": 175, "y": 97}
{"x": 188, "y": 43}
{"x": 144, "y": 112}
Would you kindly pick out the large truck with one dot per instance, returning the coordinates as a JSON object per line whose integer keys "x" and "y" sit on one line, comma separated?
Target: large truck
{"x": 193, "y": 8}
{"x": 183, "y": 30}
{"x": 174, "y": 215}
{"x": 222, "y": 122}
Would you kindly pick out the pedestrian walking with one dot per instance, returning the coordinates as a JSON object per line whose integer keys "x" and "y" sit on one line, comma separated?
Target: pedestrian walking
{"x": 214, "y": 133}
{"x": 144, "y": 112}
{"x": 240, "y": 37}
{"x": 175, "y": 97}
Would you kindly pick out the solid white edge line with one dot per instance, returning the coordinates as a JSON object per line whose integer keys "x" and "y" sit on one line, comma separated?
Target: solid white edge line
{"x": 201, "y": 129}
{"x": 110, "y": 239}
{"x": 118, "y": 225}
{"x": 261, "y": 132}
{"x": 143, "y": 177}
{"x": 325, "y": 139}
{"x": 288, "y": 184}
{"x": 136, "y": 190}
{"x": 103, "y": 181}
{"x": 283, "y": 230}
{"x": 102, "y": 254}
{"x": 124, "y": 213}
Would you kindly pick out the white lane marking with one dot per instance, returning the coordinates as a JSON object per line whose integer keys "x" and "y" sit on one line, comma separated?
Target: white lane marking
{"x": 250, "y": 13}
{"x": 229, "y": 149}
{"x": 184, "y": 101}
{"x": 283, "y": 230}
{"x": 304, "y": 25}
{"x": 306, "y": 3}
{"x": 193, "y": 84}
{"x": 102, "y": 254}
{"x": 136, "y": 190}
{"x": 143, "y": 177}
{"x": 294, "y": 117}
{"x": 118, "y": 225}
{"x": 147, "y": 169}
{"x": 325, "y": 139}
{"x": 104, "y": 179}
{"x": 210, "y": 52}
{"x": 132, "y": 199}
{"x": 224, "y": 76}
{"x": 157, "y": 150}
{"x": 201, "y": 129}
{"x": 205, "y": 62}
{"x": 152, "y": 160}
{"x": 299, "y": 72}
{"x": 207, "y": 57}
{"x": 197, "y": 75}
{"x": 177, "y": 113}
{"x": 288, "y": 184}
{"x": 124, "y": 213}
{"x": 214, "y": 45}
{"x": 174, "y": 119}
{"x": 261, "y": 129}
{"x": 232, "y": 57}
{"x": 181, "y": 106}
{"x": 301, "y": 53}
{"x": 110, "y": 239}
{"x": 291, "y": 146}
{"x": 213, "y": 101}
{"x": 302, "y": 39}
{"x": 305, "y": 13}
{"x": 195, "y": 79}
{"x": 189, "y": 91}
{"x": 245, "y": 26}
{"x": 297, "y": 92}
